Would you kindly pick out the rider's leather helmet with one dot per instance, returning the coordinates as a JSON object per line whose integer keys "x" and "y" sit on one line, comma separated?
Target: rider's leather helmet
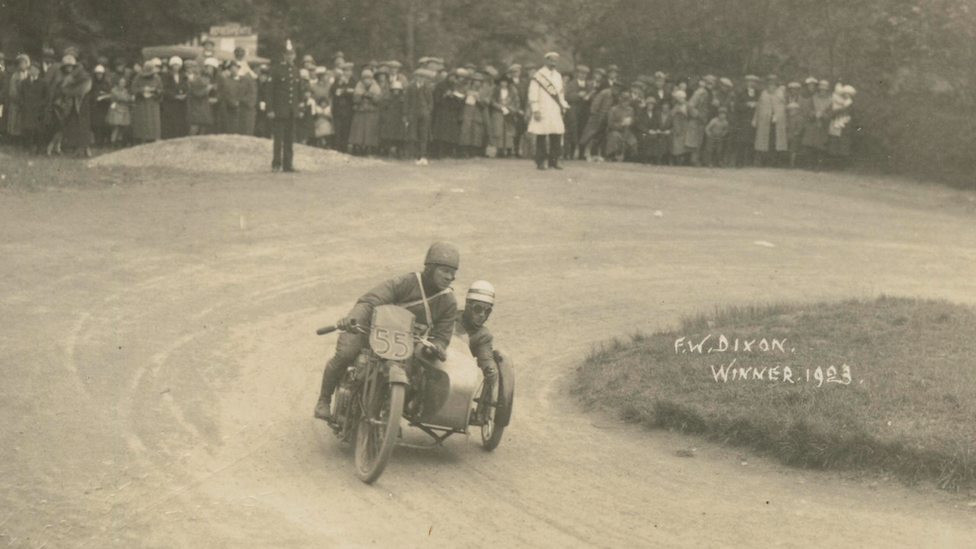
{"x": 442, "y": 253}
{"x": 482, "y": 291}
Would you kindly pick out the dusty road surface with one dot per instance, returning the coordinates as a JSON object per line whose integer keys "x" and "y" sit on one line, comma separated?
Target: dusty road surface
{"x": 160, "y": 365}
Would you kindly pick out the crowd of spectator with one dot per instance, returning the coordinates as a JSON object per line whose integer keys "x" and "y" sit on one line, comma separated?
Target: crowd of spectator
{"x": 62, "y": 104}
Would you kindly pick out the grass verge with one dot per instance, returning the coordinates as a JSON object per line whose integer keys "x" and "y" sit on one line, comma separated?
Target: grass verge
{"x": 887, "y": 385}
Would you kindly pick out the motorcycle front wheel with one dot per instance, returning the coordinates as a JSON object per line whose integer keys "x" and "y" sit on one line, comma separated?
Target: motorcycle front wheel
{"x": 377, "y": 432}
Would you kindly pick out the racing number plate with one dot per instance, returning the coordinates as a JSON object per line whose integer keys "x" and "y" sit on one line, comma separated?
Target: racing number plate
{"x": 391, "y": 334}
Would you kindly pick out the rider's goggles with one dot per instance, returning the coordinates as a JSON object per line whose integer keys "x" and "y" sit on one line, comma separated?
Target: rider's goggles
{"x": 478, "y": 309}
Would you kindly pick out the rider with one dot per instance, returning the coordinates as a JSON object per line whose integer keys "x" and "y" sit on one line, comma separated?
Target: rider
{"x": 471, "y": 325}
{"x": 427, "y": 295}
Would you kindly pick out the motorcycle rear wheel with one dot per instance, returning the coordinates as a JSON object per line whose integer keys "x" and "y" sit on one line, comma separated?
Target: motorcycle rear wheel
{"x": 376, "y": 434}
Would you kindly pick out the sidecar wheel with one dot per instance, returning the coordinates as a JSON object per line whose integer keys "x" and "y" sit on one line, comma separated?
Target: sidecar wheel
{"x": 491, "y": 431}
{"x": 376, "y": 435}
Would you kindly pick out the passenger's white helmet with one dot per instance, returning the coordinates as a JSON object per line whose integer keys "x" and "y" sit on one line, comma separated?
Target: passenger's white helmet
{"x": 482, "y": 291}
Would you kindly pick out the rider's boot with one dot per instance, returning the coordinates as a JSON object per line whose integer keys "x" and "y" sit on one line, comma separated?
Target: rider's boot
{"x": 330, "y": 379}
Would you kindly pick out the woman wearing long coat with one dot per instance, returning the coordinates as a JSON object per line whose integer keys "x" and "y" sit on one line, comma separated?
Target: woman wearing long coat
{"x": 146, "y": 89}
{"x": 33, "y": 102}
{"x": 199, "y": 114}
{"x": 679, "y": 127}
{"x": 473, "y": 126}
{"x": 654, "y": 131}
{"x": 596, "y": 124}
{"x": 770, "y": 118}
{"x": 101, "y": 99}
{"x": 448, "y": 102}
{"x": 816, "y": 111}
{"x": 698, "y": 110}
{"x": 172, "y": 110}
{"x": 504, "y": 111}
{"x": 12, "y": 109}
{"x": 621, "y": 141}
{"x": 365, "y": 131}
{"x": 76, "y": 110}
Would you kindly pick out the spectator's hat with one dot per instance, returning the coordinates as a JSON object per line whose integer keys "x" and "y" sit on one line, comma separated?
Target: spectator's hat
{"x": 726, "y": 82}
{"x": 470, "y": 67}
{"x": 176, "y": 61}
{"x": 601, "y": 71}
{"x": 25, "y": 58}
{"x": 638, "y": 84}
{"x": 582, "y": 70}
{"x": 490, "y": 71}
{"x": 210, "y": 62}
{"x": 793, "y": 106}
{"x": 384, "y": 69}
{"x": 437, "y": 60}
{"x": 552, "y": 55}
{"x": 394, "y": 64}
{"x": 338, "y": 54}
{"x": 529, "y": 66}
{"x": 709, "y": 78}
{"x": 72, "y": 51}
{"x": 374, "y": 63}
{"x": 99, "y": 69}
{"x": 308, "y": 60}
{"x": 211, "y": 42}
{"x": 321, "y": 69}
{"x": 367, "y": 73}
{"x": 660, "y": 74}
{"x": 47, "y": 53}
{"x": 823, "y": 85}
{"x": 423, "y": 61}
{"x": 679, "y": 94}
{"x": 772, "y": 78}
{"x": 514, "y": 67}
{"x": 849, "y": 90}
{"x": 752, "y": 78}
{"x": 66, "y": 61}
{"x": 348, "y": 65}
{"x": 613, "y": 68}
{"x": 794, "y": 85}
{"x": 424, "y": 73}
{"x": 462, "y": 72}
{"x": 190, "y": 64}
{"x": 810, "y": 80}
{"x": 239, "y": 50}
{"x": 156, "y": 62}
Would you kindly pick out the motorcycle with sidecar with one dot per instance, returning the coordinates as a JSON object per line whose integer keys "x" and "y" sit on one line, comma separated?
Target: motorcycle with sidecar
{"x": 445, "y": 397}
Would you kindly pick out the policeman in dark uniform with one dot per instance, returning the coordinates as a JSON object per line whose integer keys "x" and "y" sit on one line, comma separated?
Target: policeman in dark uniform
{"x": 284, "y": 108}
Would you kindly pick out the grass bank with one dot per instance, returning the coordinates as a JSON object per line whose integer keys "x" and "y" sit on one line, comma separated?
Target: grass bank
{"x": 887, "y": 385}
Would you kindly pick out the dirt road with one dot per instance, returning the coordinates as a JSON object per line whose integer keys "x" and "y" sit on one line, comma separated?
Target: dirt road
{"x": 160, "y": 365}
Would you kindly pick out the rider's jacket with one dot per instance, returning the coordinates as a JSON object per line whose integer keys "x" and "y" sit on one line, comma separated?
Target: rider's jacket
{"x": 405, "y": 292}
{"x": 479, "y": 340}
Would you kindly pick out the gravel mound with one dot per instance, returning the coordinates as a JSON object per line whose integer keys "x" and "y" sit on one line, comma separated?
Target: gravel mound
{"x": 223, "y": 154}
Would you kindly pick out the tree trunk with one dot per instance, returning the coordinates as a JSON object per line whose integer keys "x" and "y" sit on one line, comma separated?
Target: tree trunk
{"x": 411, "y": 21}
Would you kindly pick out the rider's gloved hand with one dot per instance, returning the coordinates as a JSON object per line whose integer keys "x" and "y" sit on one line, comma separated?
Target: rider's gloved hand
{"x": 345, "y": 323}
{"x": 432, "y": 352}
{"x": 491, "y": 374}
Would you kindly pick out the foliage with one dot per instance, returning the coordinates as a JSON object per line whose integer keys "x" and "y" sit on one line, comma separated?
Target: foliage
{"x": 913, "y": 63}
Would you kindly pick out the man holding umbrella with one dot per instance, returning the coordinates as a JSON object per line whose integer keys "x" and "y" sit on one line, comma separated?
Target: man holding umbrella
{"x": 284, "y": 107}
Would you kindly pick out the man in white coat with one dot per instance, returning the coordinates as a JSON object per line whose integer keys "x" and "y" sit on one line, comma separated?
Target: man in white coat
{"x": 547, "y": 103}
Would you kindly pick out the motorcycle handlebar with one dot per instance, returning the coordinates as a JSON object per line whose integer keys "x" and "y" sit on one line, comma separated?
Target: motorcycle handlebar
{"x": 330, "y": 329}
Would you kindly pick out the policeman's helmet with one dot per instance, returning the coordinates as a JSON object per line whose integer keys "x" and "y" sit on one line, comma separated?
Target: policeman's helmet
{"x": 442, "y": 253}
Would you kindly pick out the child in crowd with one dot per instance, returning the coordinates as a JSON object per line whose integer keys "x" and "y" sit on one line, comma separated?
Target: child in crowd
{"x": 717, "y": 134}
{"x": 119, "y": 118}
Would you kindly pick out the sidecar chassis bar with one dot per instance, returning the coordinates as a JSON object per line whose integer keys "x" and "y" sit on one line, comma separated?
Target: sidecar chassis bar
{"x": 438, "y": 434}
